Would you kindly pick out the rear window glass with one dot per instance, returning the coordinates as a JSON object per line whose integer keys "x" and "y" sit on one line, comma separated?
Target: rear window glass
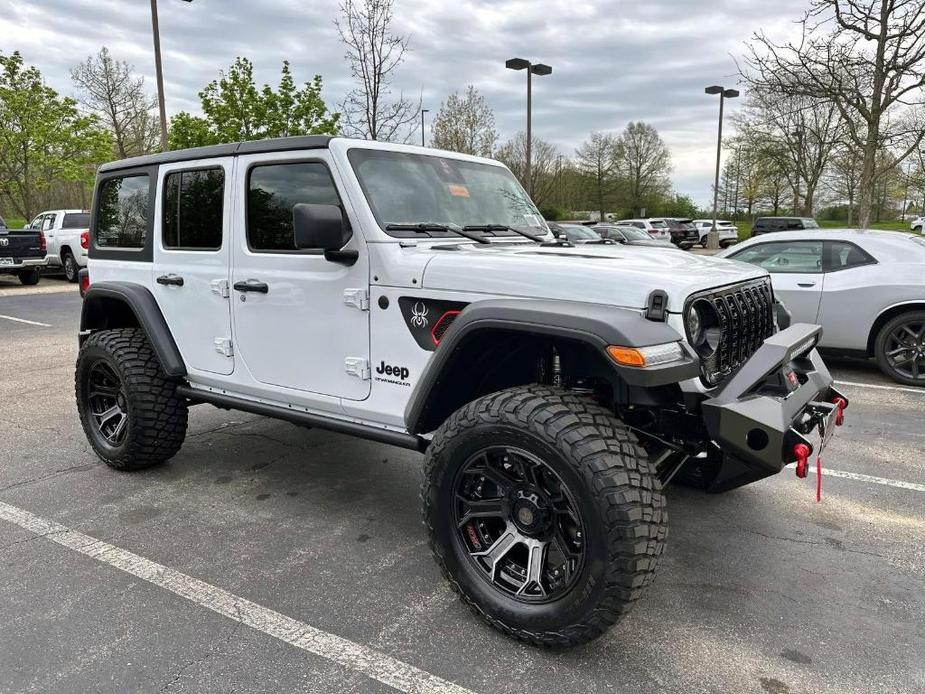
{"x": 193, "y": 209}
{"x": 659, "y": 224}
{"x": 76, "y": 220}
{"x": 273, "y": 190}
{"x": 122, "y": 220}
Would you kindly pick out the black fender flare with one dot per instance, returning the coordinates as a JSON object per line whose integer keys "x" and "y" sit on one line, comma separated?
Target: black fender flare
{"x": 596, "y": 325}
{"x": 96, "y": 314}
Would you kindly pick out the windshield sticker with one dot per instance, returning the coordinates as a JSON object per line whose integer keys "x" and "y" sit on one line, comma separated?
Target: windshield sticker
{"x": 457, "y": 190}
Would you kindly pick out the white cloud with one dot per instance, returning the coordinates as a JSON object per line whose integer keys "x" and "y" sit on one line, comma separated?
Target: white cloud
{"x": 613, "y": 61}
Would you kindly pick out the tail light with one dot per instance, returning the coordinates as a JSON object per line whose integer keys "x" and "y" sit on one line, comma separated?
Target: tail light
{"x": 85, "y": 240}
{"x": 84, "y": 281}
{"x": 42, "y": 245}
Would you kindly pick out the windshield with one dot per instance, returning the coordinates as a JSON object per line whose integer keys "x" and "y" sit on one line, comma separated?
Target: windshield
{"x": 579, "y": 233}
{"x": 659, "y": 224}
{"x": 634, "y": 234}
{"x": 76, "y": 220}
{"x": 404, "y": 188}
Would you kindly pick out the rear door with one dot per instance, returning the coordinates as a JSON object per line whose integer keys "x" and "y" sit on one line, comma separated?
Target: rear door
{"x": 796, "y": 274}
{"x": 52, "y": 243}
{"x": 192, "y": 259}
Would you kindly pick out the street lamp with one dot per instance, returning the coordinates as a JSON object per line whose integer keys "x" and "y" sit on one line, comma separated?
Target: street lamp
{"x": 532, "y": 69}
{"x": 160, "y": 75}
{"x": 423, "y": 111}
{"x": 713, "y": 236}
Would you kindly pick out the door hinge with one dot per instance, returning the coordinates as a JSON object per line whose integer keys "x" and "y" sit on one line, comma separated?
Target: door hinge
{"x": 357, "y": 366}
{"x": 223, "y": 346}
{"x": 358, "y": 298}
{"x": 220, "y": 287}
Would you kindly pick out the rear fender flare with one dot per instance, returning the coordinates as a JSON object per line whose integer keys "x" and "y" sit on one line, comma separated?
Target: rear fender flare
{"x": 109, "y": 305}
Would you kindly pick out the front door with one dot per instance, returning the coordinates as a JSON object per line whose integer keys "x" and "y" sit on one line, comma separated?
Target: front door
{"x": 192, "y": 252}
{"x": 294, "y": 327}
{"x": 796, "y": 274}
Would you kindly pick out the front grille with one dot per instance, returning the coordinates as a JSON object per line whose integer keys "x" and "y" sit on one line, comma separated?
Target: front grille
{"x": 746, "y": 315}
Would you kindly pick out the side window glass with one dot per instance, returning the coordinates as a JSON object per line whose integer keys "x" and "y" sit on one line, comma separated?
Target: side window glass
{"x": 844, "y": 255}
{"x": 193, "y": 209}
{"x": 273, "y": 190}
{"x": 37, "y": 222}
{"x": 784, "y": 256}
{"x": 49, "y": 222}
{"x": 122, "y": 219}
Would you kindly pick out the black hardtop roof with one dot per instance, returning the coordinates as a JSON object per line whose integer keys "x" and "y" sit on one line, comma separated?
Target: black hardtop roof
{"x": 279, "y": 144}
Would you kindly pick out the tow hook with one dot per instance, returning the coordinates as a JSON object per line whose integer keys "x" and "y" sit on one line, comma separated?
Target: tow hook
{"x": 840, "y": 405}
{"x": 802, "y": 453}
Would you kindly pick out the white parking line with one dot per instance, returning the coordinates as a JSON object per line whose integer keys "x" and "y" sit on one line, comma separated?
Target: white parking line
{"x": 23, "y": 320}
{"x": 899, "y": 484}
{"x": 354, "y": 656}
{"x": 920, "y": 391}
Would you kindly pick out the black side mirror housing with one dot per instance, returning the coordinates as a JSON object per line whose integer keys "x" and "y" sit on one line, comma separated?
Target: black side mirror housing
{"x": 323, "y": 227}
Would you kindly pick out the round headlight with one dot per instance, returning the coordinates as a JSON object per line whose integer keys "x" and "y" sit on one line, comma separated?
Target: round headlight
{"x": 694, "y": 324}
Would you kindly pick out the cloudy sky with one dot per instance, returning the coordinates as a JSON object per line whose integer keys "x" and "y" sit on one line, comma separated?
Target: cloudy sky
{"x": 613, "y": 61}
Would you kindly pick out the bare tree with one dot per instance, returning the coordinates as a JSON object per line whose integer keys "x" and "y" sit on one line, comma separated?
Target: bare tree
{"x": 543, "y": 167}
{"x": 597, "y": 160}
{"x": 644, "y": 163}
{"x": 374, "y": 54}
{"x": 866, "y": 57}
{"x": 109, "y": 89}
{"x": 465, "y": 124}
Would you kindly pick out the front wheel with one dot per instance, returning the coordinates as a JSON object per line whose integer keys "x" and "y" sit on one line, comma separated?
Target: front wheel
{"x": 900, "y": 348}
{"x": 129, "y": 409}
{"x": 544, "y": 513}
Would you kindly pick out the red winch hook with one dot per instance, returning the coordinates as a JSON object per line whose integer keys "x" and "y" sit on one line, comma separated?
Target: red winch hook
{"x": 840, "y": 405}
{"x": 802, "y": 451}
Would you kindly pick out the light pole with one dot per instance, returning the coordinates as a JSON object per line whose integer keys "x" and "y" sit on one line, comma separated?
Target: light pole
{"x": 423, "y": 111}
{"x": 160, "y": 75}
{"x": 713, "y": 236}
{"x": 532, "y": 69}
{"x": 798, "y": 134}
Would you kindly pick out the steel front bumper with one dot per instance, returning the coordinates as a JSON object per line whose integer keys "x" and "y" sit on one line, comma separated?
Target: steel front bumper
{"x": 781, "y": 397}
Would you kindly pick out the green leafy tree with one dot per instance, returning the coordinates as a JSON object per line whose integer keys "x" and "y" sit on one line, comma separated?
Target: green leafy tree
{"x": 44, "y": 139}
{"x": 465, "y": 124}
{"x": 235, "y": 109}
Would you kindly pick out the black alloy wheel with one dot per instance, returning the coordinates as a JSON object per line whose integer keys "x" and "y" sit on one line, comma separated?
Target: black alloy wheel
{"x": 900, "y": 348}
{"x": 519, "y": 524}
{"x": 107, "y": 404}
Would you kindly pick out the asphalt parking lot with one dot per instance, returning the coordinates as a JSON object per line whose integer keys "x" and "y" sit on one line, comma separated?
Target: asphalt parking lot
{"x": 270, "y": 558}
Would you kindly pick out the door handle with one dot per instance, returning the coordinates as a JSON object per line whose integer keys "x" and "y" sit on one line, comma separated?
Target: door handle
{"x": 252, "y": 286}
{"x": 175, "y": 280}
{"x": 806, "y": 284}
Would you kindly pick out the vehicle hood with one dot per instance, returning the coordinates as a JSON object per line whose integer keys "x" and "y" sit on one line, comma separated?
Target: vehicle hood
{"x": 616, "y": 275}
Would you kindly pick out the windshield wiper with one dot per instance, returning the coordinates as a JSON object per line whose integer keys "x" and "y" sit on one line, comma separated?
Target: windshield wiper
{"x": 425, "y": 227}
{"x": 504, "y": 227}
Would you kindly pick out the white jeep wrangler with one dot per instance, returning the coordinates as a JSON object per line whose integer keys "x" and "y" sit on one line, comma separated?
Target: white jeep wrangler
{"x": 416, "y": 297}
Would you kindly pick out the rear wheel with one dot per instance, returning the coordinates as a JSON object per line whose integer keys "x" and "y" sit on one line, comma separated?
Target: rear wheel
{"x": 129, "y": 409}
{"x": 70, "y": 266}
{"x": 544, "y": 513}
{"x": 900, "y": 348}
{"x": 29, "y": 276}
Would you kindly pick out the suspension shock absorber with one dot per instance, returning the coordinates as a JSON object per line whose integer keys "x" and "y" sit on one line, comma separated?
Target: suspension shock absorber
{"x": 556, "y": 368}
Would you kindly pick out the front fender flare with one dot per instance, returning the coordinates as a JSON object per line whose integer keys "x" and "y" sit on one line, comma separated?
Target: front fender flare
{"x": 596, "y": 325}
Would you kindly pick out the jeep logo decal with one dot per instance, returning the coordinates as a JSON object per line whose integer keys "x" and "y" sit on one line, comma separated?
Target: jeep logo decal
{"x": 389, "y": 373}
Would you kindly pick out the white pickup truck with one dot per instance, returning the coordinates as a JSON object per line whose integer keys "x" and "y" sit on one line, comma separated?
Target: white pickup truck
{"x": 67, "y": 233}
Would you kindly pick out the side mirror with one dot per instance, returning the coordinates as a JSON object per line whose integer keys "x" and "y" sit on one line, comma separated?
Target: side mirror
{"x": 323, "y": 227}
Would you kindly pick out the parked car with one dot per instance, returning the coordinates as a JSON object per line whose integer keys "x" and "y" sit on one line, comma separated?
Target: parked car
{"x": 67, "y": 233}
{"x": 578, "y": 233}
{"x": 918, "y": 225}
{"x": 22, "y": 253}
{"x": 656, "y": 228}
{"x": 866, "y": 289}
{"x": 728, "y": 232}
{"x": 765, "y": 225}
{"x": 631, "y": 236}
{"x": 683, "y": 233}
{"x": 554, "y": 389}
